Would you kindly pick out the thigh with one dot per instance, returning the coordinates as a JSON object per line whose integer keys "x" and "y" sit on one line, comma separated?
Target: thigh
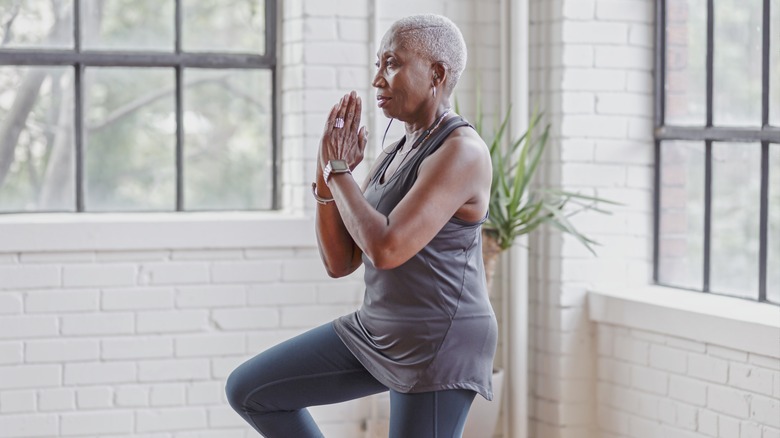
{"x": 311, "y": 369}
{"x": 439, "y": 414}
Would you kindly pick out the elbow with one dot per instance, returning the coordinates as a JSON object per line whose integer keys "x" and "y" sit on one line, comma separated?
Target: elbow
{"x": 384, "y": 264}
{"x": 384, "y": 257}
{"x": 338, "y": 273}
{"x": 333, "y": 274}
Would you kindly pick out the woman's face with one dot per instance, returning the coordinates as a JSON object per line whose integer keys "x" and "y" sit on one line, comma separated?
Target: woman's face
{"x": 403, "y": 80}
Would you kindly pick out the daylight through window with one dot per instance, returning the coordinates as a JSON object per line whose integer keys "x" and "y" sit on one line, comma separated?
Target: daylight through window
{"x": 137, "y": 105}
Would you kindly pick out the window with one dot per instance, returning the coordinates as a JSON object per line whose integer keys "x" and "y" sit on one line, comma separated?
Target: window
{"x": 137, "y": 105}
{"x": 717, "y": 171}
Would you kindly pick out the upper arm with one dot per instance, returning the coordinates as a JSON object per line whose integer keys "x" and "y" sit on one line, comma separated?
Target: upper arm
{"x": 456, "y": 175}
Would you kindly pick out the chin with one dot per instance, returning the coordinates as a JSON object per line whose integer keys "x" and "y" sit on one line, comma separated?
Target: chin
{"x": 388, "y": 113}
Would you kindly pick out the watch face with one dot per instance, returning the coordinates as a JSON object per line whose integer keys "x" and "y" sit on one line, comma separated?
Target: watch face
{"x": 338, "y": 166}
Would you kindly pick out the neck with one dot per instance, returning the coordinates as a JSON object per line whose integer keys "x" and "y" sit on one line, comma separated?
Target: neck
{"x": 417, "y": 127}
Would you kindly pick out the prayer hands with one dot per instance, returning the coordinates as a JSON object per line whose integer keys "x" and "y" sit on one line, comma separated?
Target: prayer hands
{"x": 342, "y": 140}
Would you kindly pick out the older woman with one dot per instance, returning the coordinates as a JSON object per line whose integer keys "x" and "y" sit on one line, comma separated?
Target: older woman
{"x": 426, "y": 331}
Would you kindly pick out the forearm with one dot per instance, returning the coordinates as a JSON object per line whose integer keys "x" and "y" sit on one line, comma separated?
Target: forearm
{"x": 368, "y": 228}
{"x": 338, "y": 251}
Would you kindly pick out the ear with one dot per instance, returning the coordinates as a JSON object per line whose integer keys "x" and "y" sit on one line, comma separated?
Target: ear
{"x": 439, "y": 73}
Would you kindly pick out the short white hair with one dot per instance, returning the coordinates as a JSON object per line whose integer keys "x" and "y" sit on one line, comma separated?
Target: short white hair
{"x": 435, "y": 37}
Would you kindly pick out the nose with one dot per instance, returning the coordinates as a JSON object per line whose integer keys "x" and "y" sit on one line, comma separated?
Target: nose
{"x": 379, "y": 80}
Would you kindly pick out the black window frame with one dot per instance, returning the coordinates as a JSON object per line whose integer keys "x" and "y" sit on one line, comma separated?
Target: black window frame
{"x": 178, "y": 60}
{"x": 765, "y": 134}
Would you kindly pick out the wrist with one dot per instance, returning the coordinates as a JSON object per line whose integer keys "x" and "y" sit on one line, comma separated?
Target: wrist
{"x": 334, "y": 167}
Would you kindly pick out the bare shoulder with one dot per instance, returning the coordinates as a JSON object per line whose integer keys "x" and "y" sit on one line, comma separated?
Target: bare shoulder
{"x": 463, "y": 146}
{"x": 461, "y": 169}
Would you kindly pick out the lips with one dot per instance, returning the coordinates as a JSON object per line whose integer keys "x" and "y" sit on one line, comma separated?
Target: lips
{"x": 381, "y": 101}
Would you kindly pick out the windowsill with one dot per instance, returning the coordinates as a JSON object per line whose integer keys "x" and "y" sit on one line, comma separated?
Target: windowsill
{"x": 713, "y": 319}
{"x": 144, "y": 231}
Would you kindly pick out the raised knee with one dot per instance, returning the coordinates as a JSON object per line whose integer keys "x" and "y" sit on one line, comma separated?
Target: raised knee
{"x": 235, "y": 392}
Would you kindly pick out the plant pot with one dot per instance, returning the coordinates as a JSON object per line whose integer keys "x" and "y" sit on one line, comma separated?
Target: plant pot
{"x": 490, "y": 252}
{"x": 483, "y": 416}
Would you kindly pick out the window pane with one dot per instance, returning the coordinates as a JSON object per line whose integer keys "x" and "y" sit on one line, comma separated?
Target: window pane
{"x": 736, "y": 187}
{"x": 773, "y": 240}
{"x": 737, "y": 63}
{"x": 681, "y": 233}
{"x": 228, "y": 139}
{"x": 223, "y": 26}
{"x": 36, "y": 139}
{"x": 36, "y": 23}
{"x": 128, "y": 24}
{"x": 774, "y": 64}
{"x": 686, "y": 55}
{"x": 130, "y": 139}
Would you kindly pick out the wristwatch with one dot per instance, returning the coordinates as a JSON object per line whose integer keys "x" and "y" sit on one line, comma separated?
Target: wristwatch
{"x": 333, "y": 167}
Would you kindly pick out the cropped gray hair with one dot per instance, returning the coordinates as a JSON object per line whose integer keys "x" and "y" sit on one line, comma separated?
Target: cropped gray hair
{"x": 435, "y": 37}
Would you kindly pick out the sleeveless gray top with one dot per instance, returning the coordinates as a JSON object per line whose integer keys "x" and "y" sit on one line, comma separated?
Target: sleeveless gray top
{"x": 426, "y": 325}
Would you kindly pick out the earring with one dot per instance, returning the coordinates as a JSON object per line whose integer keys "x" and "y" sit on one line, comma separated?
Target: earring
{"x": 434, "y": 91}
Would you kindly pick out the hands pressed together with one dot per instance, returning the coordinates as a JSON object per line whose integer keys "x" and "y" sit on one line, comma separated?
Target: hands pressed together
{"x": 342, "y": 140}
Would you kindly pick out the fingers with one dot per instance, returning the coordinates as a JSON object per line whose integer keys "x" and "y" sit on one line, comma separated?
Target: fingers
{"x": 343, "y": 104}
{"x": 353, "y": 113}
{"x": 331, "y": 118}
{"x": 358, "y": 112}
{"x": 362, "y": 138}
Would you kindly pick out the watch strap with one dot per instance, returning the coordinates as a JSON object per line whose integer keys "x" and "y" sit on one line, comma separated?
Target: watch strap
{"x": 329, "y": 170}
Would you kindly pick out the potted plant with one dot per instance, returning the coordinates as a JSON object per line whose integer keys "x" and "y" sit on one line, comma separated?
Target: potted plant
{"x": 518, "y": 207}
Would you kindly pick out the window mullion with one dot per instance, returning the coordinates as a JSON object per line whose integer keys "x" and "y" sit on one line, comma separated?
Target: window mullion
{"x": 270, "y": 29}
{"x": 177, "y": 27}
{"x": 763, "y": 240}
{"x": 708, "y": 148}
{"x": 660, "y": 64}
{"x": 656, "y": 210}
{"x": 660, "y": 108}
{"x": 707, "y": 214}
{"x": 78, "y": 128}
{"x": 710, "y": 58}
{"x": 179, "y": 111}
{"x": 179, "y": 138}
{"x": 765, "y": 66}
{"x": 78, "y": 113}
{"x": 270, "y": 52}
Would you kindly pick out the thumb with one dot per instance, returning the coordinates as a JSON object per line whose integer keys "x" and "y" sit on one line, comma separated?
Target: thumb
{"x": 363, "y": 138}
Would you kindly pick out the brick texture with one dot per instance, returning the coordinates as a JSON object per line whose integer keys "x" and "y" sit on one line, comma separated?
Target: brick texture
{"x": 715, "y": 397}
{"x": 139, "y": 343}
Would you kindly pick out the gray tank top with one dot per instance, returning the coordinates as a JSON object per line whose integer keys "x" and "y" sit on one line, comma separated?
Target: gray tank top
{"x": 426, "y": 325}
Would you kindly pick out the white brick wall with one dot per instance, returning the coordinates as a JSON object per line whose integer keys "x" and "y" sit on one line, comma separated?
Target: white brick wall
{"x": 591, "y": 72}
{"x": 591, "y": 63}
{"x": 138, "y": 343}
{"x": 107, "y": 351}
{"x": 686, "y": 389}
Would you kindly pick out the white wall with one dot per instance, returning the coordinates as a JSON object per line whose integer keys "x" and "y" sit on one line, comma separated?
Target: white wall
{"x": 128, "y": 325}
{"x": 592, "y": 72}
{"x": 591, "y": 63}
{"x": 683, "y": 364}
{"x": 140, "y": 342}
{"x": 651, "y": 384}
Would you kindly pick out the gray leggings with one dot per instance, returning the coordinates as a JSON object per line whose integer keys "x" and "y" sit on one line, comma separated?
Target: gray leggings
{"x": 272, "y": 390}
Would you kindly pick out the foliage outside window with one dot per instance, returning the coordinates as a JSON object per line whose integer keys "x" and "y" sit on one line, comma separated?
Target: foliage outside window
{"x": 718, "y": 147}
{"x": 137, "y": 105}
